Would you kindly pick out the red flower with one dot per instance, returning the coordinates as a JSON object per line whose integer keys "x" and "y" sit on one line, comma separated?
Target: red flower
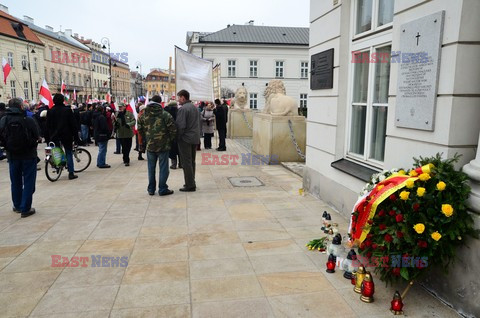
{"x": 399, "y": 234}
{"x": 374, "y": 246}
{"x": 370, "y": 222}
{"x": 369, "y": 254}
{"x": 369, "y": 235}
{"x": 382, "y": 227}
{"x": 391, "y": 212}
{"x": 368, "y": 243}
{"x": 393, "y": 197}
{"x": 416, "y": 207}
{"x": 399, "y": 218}
{"x": 381, "y": 213}
{"x": 422, "y": 244}
{"x": 396, "y": 271}
{"x": 388, "y": 238}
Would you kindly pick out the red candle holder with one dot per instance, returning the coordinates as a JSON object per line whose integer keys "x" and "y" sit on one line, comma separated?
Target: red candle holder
{"x": 331, "y": 264}
{"x": 396, "y": 304}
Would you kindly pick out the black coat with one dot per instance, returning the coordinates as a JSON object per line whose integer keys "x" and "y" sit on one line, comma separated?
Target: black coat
{"x": 16, "y": 114}
{"x": 62, "y": 126}
{"x": 100, "y": 127}
{"x": 221, "y": 116}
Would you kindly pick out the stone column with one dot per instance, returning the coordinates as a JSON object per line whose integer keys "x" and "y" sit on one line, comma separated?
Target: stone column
{"x": 472, "y": 169}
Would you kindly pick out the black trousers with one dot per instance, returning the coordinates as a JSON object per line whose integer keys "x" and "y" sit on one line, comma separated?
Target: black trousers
{"x": 222, "y": 134}
{"x": 207, "y": 140}
{"x": 126, "y": 147}
{"x": 187, "y": 159}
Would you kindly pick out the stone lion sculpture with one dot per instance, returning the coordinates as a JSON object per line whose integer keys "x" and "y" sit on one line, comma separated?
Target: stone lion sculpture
{"x": 241, "y": 98}
{"x": 277, "y": 103}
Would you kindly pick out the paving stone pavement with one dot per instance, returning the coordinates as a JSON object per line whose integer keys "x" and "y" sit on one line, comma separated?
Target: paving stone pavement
{"x": 218, "y": 252}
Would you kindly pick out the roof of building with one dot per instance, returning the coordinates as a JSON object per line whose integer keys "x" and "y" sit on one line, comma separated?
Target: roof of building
{"x": 258, "y": 35}
{"x": 61, "y": 36}
{"x": 22, "y": 31}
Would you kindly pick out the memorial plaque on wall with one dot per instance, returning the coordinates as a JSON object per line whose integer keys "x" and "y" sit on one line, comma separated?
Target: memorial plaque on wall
{"x": 321, "y": 74}
{"x": 418, "y": 61}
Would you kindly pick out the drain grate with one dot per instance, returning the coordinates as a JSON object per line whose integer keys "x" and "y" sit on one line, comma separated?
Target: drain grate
{"x": 245, "y": 182}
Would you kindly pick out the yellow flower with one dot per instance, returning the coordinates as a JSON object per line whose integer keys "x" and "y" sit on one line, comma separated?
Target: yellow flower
{"x": 419, "y": 228}
{"x": 410, "y": 183}
{"x": 420, "y": 191}
{"x": 401, "y": 172}
{"x": 413, "y": 173}
{"x": 380, "y": 187}
{"x": 404, "y": 195}
{"x": 447, "y": 209}
{"x": 436, "y": 236}
{"x": 441, "y": 186}
{"x": 424, "y": 177}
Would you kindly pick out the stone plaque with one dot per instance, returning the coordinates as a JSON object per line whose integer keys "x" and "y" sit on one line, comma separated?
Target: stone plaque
{"x": 321, "y": 75}
{"x": 418, "y": 61}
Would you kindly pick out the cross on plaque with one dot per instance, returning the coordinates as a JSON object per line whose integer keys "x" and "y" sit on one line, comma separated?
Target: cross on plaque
{"x": 418, "y": 36}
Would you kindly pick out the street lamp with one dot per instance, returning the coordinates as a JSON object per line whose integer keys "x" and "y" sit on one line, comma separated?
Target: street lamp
{"x": 106, "y": 41}
{"x": 29, "y": 67}
{"x": 139, "y": 66}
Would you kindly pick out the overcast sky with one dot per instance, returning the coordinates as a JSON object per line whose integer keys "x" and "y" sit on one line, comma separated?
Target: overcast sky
{"x": 148, "y": 30}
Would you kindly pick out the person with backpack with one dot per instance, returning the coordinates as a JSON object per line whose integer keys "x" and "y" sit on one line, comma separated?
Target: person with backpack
{"x": 63, "y": 130}
{"x": 19, "y": 135}
{"x": 101, "y": 134}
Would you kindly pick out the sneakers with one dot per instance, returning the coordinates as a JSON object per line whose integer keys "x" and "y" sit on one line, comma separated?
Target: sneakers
{"x": 104, "y": 166}
{"x": 168, "y": 192}
{"x": 27, "y": 214}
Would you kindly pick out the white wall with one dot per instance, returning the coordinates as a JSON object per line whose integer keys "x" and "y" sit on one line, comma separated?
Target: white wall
{"x": 266, "y": 56}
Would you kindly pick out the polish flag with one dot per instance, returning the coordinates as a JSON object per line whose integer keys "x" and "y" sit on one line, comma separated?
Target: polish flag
{"x": 45, "y": 95}
{"x": 146, "y": 99}
{"x": 108, "y": 97}
{"x": 6, "y": 69}
{"x": 131, "y": 108}
{"x": 74, "y": 95}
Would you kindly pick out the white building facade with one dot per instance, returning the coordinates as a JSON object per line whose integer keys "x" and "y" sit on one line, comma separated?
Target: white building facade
{"x": 355, "y": 128}
{"x": 252, "y": 55}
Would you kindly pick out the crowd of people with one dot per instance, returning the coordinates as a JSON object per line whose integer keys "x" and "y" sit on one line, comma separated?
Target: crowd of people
{"x": 172, "y": 132}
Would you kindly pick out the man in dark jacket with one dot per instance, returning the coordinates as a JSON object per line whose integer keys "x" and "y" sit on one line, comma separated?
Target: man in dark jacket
{"x": 221, "y": 118}
{"x": 158, "y": 128}
{"x": 101, "y": 134}
{"x": 22, "y": 133}
{"x": 172, "y": 109}
{"x": 62, "y": 130}
{"x": 188, "y": 132}
{"x": 2, "y": 113}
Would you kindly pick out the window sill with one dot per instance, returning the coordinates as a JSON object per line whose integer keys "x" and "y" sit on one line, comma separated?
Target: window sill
{"x": 354, "y": 169}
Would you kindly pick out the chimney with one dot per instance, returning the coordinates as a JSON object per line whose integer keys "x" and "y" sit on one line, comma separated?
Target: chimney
{"x": 49, "y": 28}
{"x": 81, "y": 38}
{"x": 3, "y": 8}
{"x": 28, "y": 19}
{"x": 75, "y": 35}
{"x": 68, "y": 32}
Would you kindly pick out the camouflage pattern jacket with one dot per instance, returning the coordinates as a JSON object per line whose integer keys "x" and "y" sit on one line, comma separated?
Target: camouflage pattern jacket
{"x": 157, "y": 127}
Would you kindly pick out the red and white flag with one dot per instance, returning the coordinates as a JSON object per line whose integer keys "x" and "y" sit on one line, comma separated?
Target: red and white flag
{"x": 131, "y": 108}
{"x": 146, "y": 99}
{"x": 45, "y": 95}
{"x": 64, "y": 87}
{"x": 124, "y": 100}
{"x": 6, "y": 69}
{"x": 108, "y": 97}
{"x": 74, "y": 95}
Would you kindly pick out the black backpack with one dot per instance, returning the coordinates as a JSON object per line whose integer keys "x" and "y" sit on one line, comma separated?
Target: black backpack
{"x": 16, "y": 137}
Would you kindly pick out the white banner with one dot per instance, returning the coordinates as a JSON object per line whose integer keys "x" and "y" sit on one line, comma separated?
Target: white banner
{"x": 193, "y": 74}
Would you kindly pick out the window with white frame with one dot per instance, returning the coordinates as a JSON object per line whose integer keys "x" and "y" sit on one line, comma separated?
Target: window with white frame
{"x": 67, "y": 78}
{"x": 232, "y": 68}
{"x": 25, "y": 90}
{"x": 373, "y": 14}
{"x": 24, "y": 62}
{"x": 52, "y": 76}
{"x": 253, "y": 100}
{"x": 74, "y": 78}
{"x": 10, "y": 59}
{"x": 14, "y": 91}
{"x": 303, "y": 100}
{"x": 369, "y": 107}
{"x": 60, "y": 76}
{"x": 253, "y": 68}
{"x": 35, "y": 64}
{"x": 304, "y": 69}
{"x": 279, "y": 69}
{"x": 37, "y": 88}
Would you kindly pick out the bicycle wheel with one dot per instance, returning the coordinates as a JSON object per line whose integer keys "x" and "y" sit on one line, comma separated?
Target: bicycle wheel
{"x": 82, "y": 159}
{"x": 52, "y": 172}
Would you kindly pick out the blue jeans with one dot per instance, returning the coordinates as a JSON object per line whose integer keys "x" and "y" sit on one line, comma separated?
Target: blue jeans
{"x": 118, "y": 145}
{"x": 162, "y": 158}
{"x": 23, "y": 175}
{"x": 69, "y": 155}
{"x": 102, "y": 153}
{"x": 84, "y": 132}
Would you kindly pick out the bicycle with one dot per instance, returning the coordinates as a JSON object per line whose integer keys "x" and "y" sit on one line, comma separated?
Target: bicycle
{"x": 81, "y": 156}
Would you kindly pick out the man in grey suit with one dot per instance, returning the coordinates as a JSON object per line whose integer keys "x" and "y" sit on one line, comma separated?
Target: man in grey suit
{"x": 188, "y": 132}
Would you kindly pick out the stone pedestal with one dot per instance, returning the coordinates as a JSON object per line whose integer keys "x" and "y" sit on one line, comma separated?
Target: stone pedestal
{"x": 237, "y": 127}
{"x": 272, "y": 140}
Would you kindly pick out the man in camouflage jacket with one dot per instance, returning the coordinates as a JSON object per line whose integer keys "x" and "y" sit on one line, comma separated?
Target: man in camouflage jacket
{"x": 157, "y": 127}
